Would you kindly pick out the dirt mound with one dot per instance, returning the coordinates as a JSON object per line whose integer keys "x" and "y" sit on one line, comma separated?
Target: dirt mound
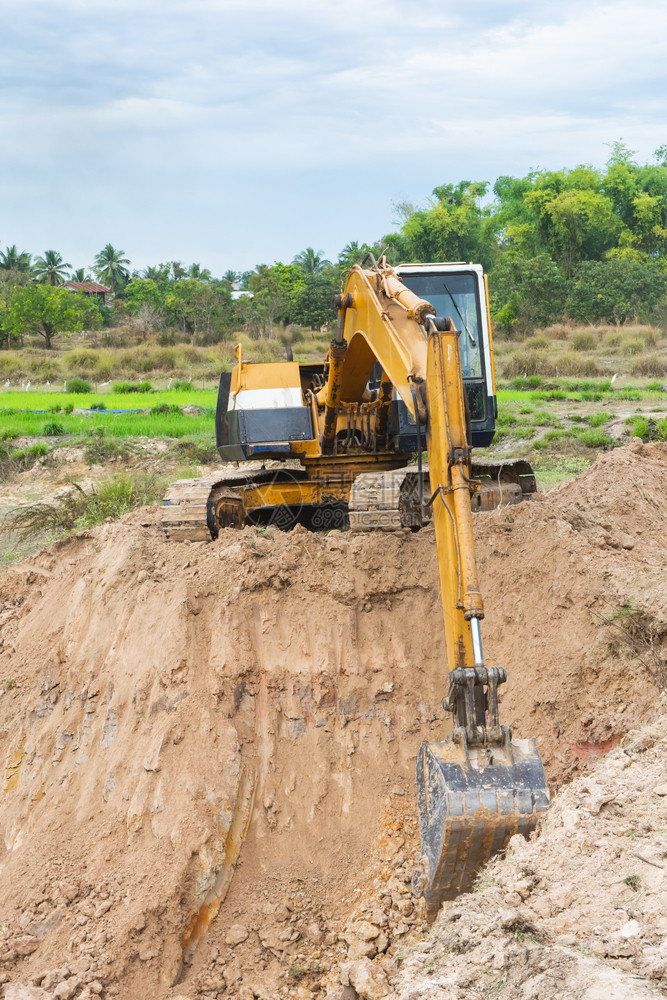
{"x": 577, "y": 913}
{"x": 209, "y": 748}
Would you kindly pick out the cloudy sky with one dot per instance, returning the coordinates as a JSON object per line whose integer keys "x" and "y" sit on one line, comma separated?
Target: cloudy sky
{"x": 238, "y": 132}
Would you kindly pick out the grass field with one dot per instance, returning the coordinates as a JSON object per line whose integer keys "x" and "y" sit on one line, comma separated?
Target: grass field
{"x": 531, "y": 411}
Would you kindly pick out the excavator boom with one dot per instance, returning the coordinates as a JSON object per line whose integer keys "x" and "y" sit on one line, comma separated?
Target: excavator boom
{"x": 479, "y": 787}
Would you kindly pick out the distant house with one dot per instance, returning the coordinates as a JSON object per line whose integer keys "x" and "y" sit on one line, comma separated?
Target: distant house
{"x": 100, "y": 292}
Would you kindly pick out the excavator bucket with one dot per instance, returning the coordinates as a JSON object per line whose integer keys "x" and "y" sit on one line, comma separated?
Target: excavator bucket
{"x": 472, "y": 799}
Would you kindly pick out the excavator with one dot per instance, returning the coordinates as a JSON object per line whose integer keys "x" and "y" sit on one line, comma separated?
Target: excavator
{"x": 409, "y": 370}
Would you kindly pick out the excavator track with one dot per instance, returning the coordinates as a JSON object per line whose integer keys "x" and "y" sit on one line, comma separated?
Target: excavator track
{"x": 189, "y": 505}
{"x": 392, "y": 499}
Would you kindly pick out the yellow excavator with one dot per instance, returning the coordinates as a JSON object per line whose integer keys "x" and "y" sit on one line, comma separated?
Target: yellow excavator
{"x": 333, "y": 445}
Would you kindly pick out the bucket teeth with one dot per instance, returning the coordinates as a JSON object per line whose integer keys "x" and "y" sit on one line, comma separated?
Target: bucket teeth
{"x": 471, "y": 801}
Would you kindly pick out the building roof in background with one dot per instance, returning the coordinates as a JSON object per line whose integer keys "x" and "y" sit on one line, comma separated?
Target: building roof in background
{"x": 91, "y": 287}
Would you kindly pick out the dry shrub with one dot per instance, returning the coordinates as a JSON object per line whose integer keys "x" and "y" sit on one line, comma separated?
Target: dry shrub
{"x": 11, "y": 366}
{"x": 527, "y": 363}
{"x": 584, "y": 340}
{"x": 536, "y": 343}
{"x": 652, "y": 364}
{"x": 81, "y": 359}
{"x": 651, "y": 336}
{"x": 571, "y": 364}
{"x": 613, "y": 339}
{"x": 632, "y": 345}
{"x": 557, "y": 331}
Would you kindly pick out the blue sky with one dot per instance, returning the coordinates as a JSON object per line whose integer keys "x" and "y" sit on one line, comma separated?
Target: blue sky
{"x": 236, "y": 133}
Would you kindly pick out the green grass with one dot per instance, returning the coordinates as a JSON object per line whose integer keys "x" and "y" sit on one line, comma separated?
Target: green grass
{"x": 598, "y": 419}
{"x": 122, "y": 425}
{"x": 592, "y": 437}
{"x": 18, "y": 459}
{"x": 646, "y": 428}
{"x": 47, "y": 401}
{"x": 163, "y": 419}
{"x": 79, "y": 508}
{"x": 551, "y": 470}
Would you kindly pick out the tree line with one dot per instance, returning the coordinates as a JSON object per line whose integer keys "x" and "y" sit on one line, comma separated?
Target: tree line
{"x": 580, "y": 243}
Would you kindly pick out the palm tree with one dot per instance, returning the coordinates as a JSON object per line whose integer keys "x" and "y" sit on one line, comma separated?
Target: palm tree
{"x": 12, "y": 260}
{"x": 311, "y": 261}
{"x": 159, "y": 272}
{"x": 352, "y": 253}
{"x": 51, "y": 268}
{"x": 110, "y": 267}
{"x": 80, "y": 275}
{"x": 199, "y": 273}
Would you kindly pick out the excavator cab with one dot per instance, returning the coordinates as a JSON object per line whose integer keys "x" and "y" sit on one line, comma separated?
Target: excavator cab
{"x": 459, "y": 290}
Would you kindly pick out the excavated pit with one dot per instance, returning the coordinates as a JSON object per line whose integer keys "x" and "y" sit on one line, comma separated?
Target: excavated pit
{"x": 208, "y": 749}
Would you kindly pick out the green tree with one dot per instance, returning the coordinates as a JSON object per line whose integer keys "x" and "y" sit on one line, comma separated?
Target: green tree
{"x": 311, "y": 261}
{"x": 314, "y": 302}
{"x": 178, "y": 271}
{"x": 158, "y": 273}
{"x": 267, "y": 303}
{"x": 616, "y": 290}
{"x": 201, "y": 310}
{"x": 10, "y": 280}
{"x": 526, "y": 290}
{"x": 111, "y": 267}
{"x": 49, "y": 311}
{"x": 456, "y": 226}
{"x": 51, "y": 269}
{"x": 13, "y": 260}
{"x": 199, "y": 273}
{"x": 80, "y": 275}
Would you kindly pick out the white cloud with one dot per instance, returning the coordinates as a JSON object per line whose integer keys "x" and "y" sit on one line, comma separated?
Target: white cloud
{"x": 379, "y": 101}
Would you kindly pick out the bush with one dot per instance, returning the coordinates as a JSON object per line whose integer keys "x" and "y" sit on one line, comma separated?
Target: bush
{"x": 181, "y": 385}
{"x": 20, "y": 459}
{"x": 543, "y": 419}
{"x": 530, "y": 382}
{"x": 98, "y": 406}
{"x": 592, "y": 437}
{"x": 570, "y": 364}
{"x": 100, "y": 449}
{"x": 78, "y": 385}
{"x": 81, "y": 359}
{"x": 79, "y": 508}
{"x": 165, "y": 408}
{"x": 126, "y": 387}
{"x": 633, "y": 346}
{"x": 584, "y": 340}
{"x": 652, "y": 364}
{"x": 646, "y": 428}
{"x": 53, "y": 429}
{"x": 526, "y": 363}
{"x": 598, "y": 419}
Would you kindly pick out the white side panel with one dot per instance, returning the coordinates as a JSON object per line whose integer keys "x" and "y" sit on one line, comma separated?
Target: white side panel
{"x": 265, "y": 399}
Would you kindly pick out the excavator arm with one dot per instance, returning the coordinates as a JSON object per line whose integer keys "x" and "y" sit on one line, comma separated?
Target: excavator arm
{"x": 478, "y": 787}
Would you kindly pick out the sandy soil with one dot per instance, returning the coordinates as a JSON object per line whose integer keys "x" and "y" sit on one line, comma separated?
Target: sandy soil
{"x": 208, "y": 749}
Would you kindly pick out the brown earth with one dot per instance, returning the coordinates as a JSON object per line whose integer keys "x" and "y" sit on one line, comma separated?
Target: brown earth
{"x": 209, "y": 748}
